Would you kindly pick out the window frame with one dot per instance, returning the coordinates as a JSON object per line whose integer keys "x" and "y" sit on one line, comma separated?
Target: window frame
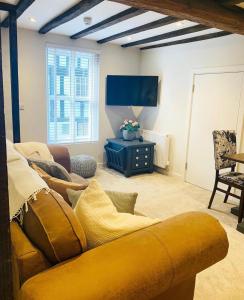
{"x": 74, "y": 137}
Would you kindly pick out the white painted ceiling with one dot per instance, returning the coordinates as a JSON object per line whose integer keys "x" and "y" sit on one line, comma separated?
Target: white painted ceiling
{"x": 44, "y": 10}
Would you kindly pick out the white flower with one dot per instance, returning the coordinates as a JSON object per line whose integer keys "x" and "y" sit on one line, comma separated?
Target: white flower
{"x": 126, "y": 122}
{"x": 134, "y": 124}
{"x": 130, "y": 121}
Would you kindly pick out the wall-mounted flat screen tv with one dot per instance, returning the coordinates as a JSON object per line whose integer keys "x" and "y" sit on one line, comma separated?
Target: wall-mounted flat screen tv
{"x": 132, "y": 90}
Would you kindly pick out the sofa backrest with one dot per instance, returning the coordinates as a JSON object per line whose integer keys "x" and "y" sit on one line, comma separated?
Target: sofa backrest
{"x": 61, "y": 155}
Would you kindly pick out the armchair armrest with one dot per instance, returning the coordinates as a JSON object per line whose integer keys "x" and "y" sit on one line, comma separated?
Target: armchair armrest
{"x": 61, "y": 155}
{"x": 141, "y": 265}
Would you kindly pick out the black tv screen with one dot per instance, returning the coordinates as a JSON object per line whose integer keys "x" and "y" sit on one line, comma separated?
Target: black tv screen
{"x": 132, "y": 90}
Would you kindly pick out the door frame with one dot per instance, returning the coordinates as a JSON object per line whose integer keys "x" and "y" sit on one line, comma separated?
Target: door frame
{"x": 213, "y": 70}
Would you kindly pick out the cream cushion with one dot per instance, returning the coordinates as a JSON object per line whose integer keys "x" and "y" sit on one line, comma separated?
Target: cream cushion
{"x": 34, "y": 150}
{"x": 100, "y": 220}
{"x": 123, "y": 202}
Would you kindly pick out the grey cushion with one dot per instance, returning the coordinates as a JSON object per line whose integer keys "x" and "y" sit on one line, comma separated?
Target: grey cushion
{"x": 83, "y": 165}
{"x": 52, "y": 168}
{"x": 124, "y": 202}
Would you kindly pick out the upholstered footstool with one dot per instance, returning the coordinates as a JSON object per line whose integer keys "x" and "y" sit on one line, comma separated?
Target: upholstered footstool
{"x": 83, "y": 165}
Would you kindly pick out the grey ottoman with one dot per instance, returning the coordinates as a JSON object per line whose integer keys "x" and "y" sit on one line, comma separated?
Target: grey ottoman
{"x": 83, "y": 165}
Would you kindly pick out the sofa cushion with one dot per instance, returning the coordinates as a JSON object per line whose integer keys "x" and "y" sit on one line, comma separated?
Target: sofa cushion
{"x": 52, "y": 226}
{"x": 123, "y": 202}
{"x": 100, "y": 219}
{"x": 52, "y": 168}
{"x": 58, "y": 185}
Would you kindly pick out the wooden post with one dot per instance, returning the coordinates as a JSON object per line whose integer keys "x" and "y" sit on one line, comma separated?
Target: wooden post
{"x": 13, "y": 46}
{"x": 6, "y": 281}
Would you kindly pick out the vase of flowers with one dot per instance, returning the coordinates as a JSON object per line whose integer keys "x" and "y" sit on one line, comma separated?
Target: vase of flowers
{"x": 129, "y": 129}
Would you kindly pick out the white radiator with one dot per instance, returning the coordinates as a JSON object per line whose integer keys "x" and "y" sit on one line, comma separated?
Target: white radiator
{"x": 161, "y": 154}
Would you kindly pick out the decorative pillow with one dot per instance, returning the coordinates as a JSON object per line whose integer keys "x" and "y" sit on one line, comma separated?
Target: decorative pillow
{"x": 123, "y": 202}
{"x": 52, "y": 226}
{"x": 58, "y": 185}
{"x": 100, "y": 219}
{"x": 52, "y": 168}
{"x": 40, "y": 172}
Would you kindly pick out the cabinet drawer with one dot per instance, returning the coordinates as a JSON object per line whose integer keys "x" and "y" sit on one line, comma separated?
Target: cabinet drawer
{"x": 141, "y": 150}
{"x": 140, "y": 164}
{"x": 142, "y": 157}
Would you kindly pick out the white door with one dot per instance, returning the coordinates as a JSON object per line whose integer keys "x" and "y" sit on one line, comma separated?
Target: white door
{"x": 216, "y": 105}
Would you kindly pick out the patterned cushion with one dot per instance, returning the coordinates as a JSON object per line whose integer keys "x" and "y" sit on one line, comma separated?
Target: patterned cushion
{"x": 83, "y": 165}
{"x": 233, "y": 177}
{"x": 224, "y": 144}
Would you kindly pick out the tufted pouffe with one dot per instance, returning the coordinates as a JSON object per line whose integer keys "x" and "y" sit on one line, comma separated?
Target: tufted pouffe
{"x": 83, "y": 165}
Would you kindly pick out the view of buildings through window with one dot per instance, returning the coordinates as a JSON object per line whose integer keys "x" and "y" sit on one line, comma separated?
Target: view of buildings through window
{"x": 72, "y": 95}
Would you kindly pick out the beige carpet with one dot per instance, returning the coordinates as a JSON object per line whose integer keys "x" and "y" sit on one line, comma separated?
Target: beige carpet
{"x": 165, "y": 196}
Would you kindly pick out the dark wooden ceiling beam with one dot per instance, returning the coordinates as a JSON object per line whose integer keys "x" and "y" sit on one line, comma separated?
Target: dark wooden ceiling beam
{"x": 167, "y": 35}
{"x": 189, "y": 40}
{"x": 208, "y": 12}
{"x": 158, "y": 23}
{"x": 20, "y": 8}
{"x": 69, "y": 14}
{"x": 230, "y": 2}
{"x": 122, "y": 16}
{"x": 7, "y": 7}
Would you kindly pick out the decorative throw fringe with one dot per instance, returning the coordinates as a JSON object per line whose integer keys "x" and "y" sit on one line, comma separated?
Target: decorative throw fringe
{"x": 20, "y": 214}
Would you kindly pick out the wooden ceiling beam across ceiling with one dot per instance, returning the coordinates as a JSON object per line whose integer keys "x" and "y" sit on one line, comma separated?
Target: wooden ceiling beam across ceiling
{"x": 122, "y": 16}
{"x": 155, "y": 24}
{"x": 7, "y": 7}
{"x": 69, "y": 14}
{"x": 208, "y": 12}
{"x": 189, "y": 40}
{"x": 167, "y": 35}
{"x": 230, "y": 2}
{"x": 20, "y": 8}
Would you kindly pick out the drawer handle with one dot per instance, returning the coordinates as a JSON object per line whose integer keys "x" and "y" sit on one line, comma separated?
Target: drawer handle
{"x": 137, "y": 157}
{"x": 137, "y": 165}
{"x": 145, "y": 163}
{"x": 146, "y": 149}
{"x": 145, "y": 156}
{"x": 137, "y": 150}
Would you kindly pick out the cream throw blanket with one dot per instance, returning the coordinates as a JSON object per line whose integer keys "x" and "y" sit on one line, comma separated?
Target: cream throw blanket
{"x": 23, "y": 182}
{"x": 100, "y": 219}
{"x": 34, "y": 150}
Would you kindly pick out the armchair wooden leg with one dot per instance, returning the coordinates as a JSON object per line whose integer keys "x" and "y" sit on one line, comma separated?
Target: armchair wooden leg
{"x": 213, "y": 194}
{"x": 227, "y": 194}
{"x": 241, "y": 208}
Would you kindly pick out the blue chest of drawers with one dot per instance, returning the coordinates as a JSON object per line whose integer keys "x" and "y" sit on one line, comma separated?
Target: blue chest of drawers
{"x": 130, "y": 157}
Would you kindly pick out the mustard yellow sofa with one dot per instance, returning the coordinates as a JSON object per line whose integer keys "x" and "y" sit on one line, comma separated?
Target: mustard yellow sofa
{"x": 158, "y": 262}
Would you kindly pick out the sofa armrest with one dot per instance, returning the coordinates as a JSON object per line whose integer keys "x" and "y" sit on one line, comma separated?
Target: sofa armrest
{"x": 141, "y": 265}
{"x": 28, "y": 259}
{"x": 61, "y": 155}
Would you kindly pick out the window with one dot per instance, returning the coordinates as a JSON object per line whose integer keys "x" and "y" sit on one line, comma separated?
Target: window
{"x": 72, "y": 95}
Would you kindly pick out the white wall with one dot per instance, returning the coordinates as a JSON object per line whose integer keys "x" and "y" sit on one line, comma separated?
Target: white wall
{"x": 174, "y": 66}
{"x": 32, "y": 80}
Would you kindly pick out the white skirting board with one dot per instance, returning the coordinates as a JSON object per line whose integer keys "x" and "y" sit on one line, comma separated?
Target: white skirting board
{"x": 161, "y": 153}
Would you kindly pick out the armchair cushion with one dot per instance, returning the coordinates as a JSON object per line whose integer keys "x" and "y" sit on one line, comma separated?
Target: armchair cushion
{"x": 52, "y": 226}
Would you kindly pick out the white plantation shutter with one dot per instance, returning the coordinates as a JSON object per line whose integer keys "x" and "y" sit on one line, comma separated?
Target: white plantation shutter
{"x": 73, "y": 80}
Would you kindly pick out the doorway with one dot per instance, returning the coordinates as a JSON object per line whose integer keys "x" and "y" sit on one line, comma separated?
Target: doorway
{"x": 217, "y": 104}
